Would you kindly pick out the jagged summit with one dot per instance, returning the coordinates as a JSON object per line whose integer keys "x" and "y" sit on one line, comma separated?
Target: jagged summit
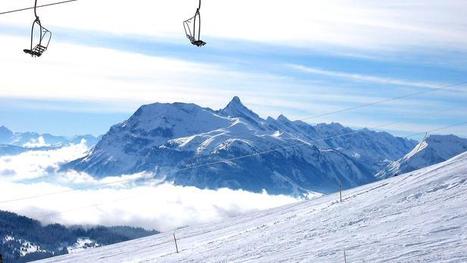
{"x": 236, "y": 100}
{"x": 234, "y": 104}
{"x": 5, "y": 134}
{"x": 236, "y": 109}
{"x": 282, "y": 118}
{"x": 5, "y": 131}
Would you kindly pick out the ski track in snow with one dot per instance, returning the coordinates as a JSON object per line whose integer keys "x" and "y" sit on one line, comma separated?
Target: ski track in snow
{"x": 417, "y": 217}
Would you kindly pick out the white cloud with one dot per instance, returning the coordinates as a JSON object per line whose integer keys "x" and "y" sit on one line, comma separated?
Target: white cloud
{"x": 119, "y": 81}
{"x": 77, "y": 72}
{"x": 80, "y": 73}
{"x": 366, "y": 78}
{"x": 115, "y": 200}
{"x": 83, "y": 73}
{"x": 33, "y": 143}
{"x": 34, "y": 164}
{"x": 364, "y": 24}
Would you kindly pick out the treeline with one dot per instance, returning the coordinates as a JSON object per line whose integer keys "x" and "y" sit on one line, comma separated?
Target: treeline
{"x": 54, "y": 239}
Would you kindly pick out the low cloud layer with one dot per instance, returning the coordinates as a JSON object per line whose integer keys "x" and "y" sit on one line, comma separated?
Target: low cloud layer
{"x": 81, "y": 199}
{"x": 35, "y": 164}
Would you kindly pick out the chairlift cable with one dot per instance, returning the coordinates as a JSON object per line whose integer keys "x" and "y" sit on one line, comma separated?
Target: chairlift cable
{"x": 364, "y": 105}
{"x": 39, "y": 6}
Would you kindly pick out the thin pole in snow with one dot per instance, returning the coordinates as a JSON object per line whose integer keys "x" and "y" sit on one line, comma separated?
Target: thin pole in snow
{"x": 340, "y": 192}
{"x": 345, "y": 257}
{"x": 175, "y": 240}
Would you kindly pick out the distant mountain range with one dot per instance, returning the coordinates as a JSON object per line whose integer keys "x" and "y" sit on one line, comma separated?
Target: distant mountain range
{"x": 17, "y": 142}
{"x": 244, "y": 151}
{"x": 23, "y": 239}
{"x": 433, "y": 149}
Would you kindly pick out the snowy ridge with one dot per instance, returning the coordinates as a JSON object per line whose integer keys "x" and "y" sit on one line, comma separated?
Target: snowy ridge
{"x": 415, "y": 217}
{"x": 33, "y": 140}
{"x": 165, "y": 139}
{"x": 432, "y": 150}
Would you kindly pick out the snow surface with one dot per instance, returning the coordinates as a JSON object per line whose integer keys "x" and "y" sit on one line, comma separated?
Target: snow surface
{"x": 82, "y": 244}
{"x": 28, "y": 248}
{"x": 416, "y": 217}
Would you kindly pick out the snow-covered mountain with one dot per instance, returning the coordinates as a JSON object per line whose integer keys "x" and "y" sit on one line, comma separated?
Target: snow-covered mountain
{"x": 434, "y": 149}
{"x": 176, "y": 141}
{"x": 36, "y": 140}
{"x": 415, "y": 217}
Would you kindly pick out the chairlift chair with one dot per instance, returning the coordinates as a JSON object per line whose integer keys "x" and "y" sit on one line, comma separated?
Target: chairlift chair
{"x": 192, "y": 28}
{"x": 39, "y": 39}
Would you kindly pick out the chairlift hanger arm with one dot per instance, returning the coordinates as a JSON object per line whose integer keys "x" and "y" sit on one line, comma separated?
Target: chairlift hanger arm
{"x": 35, "y": 11}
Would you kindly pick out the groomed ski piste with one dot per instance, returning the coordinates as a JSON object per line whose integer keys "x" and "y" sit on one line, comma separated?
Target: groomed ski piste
{"x": 416, "y": 217}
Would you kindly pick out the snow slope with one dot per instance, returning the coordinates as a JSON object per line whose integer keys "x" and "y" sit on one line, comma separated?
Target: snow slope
{"x": 432, "y": 150}
{"x": 415, "y": 217}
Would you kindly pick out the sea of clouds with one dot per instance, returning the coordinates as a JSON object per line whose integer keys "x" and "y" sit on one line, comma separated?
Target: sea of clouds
{"x": 32, "y": 185}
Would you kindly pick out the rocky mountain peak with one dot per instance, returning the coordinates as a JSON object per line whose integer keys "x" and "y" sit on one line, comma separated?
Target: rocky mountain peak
{"x": 236, "y": 109}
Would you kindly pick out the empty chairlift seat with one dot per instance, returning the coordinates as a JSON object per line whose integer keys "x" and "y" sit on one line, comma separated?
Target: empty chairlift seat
{"x": 192, "y": 28}
{"x": 40, "y": 37}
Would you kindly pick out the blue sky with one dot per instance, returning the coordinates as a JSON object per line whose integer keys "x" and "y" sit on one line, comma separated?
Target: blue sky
{"x": 318, "y": 58}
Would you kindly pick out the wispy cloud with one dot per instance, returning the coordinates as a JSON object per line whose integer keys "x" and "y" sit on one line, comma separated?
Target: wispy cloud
{"x": 114, "y": 61}
{"x": 366, "y": 78}
{"x": 366, "y": 25}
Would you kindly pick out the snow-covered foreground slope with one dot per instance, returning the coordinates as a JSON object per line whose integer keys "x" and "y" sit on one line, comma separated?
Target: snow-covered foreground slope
{"x": 416, "y": 217}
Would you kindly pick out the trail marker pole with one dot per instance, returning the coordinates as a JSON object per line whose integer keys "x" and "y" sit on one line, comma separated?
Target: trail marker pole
{"x": 345, "y": 257}
{"x": 340, "y": 192}
{"x": 175, "y": 240}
